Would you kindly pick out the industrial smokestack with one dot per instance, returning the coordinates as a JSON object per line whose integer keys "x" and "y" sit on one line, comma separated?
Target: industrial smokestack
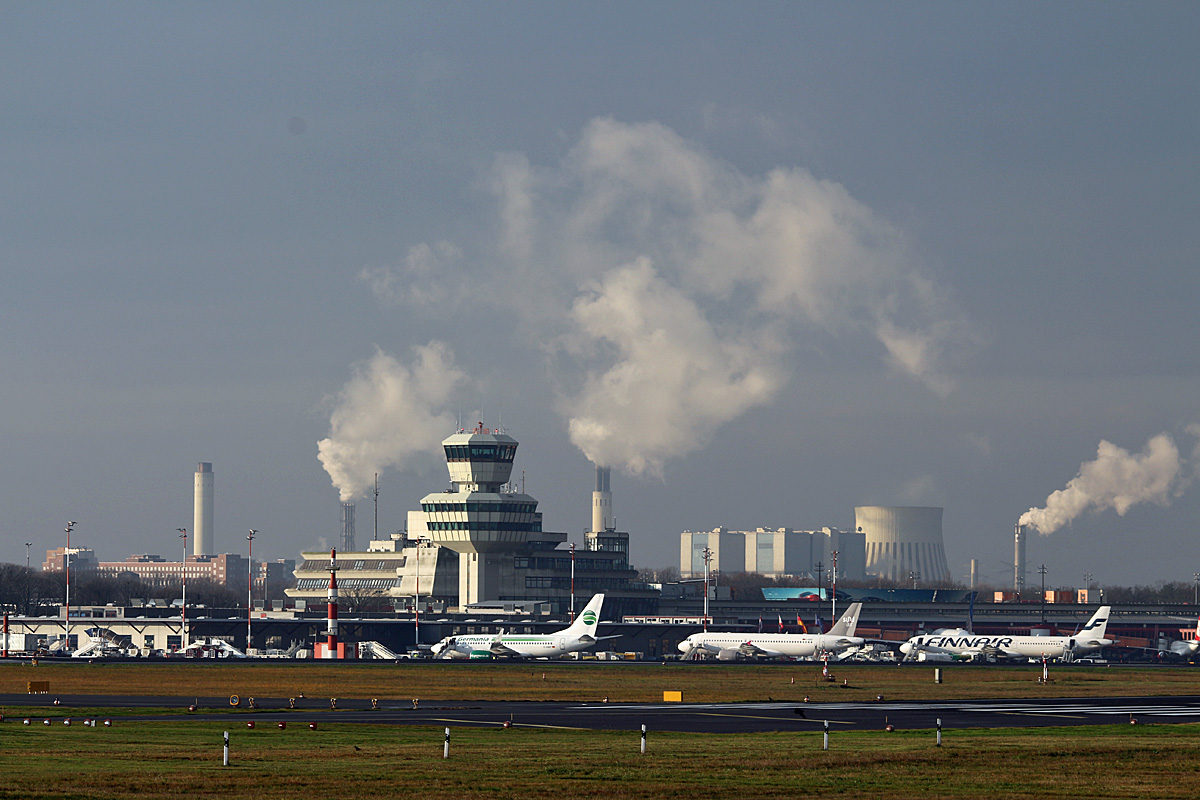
{"x": 331, "y": 625}
{"x": 1019, "y": 559}
{"x": 202, "y": 511}
{"x": 348, "y": 528}
{"x": 602, "y": 516}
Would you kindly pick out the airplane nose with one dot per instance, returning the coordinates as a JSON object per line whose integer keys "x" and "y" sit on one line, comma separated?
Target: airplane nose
{"x": 905, "y": 648}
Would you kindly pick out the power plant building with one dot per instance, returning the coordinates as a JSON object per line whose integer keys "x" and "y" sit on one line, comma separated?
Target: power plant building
{"x": 773, "y": 552}
{"x": 903, "y": 543}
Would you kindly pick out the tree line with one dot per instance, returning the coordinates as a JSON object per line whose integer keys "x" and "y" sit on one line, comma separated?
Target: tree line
{"x": 32, "y": 592}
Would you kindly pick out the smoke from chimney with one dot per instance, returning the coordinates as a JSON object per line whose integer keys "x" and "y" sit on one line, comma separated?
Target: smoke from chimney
{"x": 1118, "y": 480}
{"x": 388, "y": 414}
{"x": 701, "y": 284}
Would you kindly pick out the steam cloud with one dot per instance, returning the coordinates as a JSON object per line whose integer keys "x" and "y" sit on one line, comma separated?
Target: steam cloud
{"x": 387, "y": 414}
{"x": 668, "y": 290}
{"x": 1119, "y": 480}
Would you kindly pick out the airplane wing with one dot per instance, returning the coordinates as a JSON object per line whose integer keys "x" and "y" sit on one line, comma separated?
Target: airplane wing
{"x": 751, "y": 649}
{"x": 499, "y": 648}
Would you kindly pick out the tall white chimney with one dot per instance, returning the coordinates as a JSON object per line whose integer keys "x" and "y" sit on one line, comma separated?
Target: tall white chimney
{"x": 202, "y": 511}
{"x": 602, "y": 516}
{"x": 1019, "y": 559}
{"x": 348, "y": 528}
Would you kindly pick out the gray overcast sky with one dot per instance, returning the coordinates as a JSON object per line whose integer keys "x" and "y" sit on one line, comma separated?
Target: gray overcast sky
{"x": 768, "y": 260}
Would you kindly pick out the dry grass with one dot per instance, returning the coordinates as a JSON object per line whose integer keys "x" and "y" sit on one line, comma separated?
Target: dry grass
{"x": 165, "y": 760}
{"x": 591, "y": 681}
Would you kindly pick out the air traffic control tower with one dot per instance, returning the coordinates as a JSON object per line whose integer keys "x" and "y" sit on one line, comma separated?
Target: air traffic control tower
{"x": 481, "y": 518}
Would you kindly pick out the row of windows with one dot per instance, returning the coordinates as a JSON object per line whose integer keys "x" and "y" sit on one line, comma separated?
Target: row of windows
{"x": 581, "y": 584}
{"x": 514, "y": 508}
{"x": 481, "y": 452}
{"x": 308, "y": 584}
{"x": 481, "y": 525}
{"x": 526, "y": 562}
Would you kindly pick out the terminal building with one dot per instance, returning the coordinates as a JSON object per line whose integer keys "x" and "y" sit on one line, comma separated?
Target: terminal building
{"x": 480, "y": 545}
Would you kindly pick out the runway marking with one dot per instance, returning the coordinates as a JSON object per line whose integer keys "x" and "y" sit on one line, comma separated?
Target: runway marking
{"x": 772, "y": 719}
{"x": 513, "y": 724}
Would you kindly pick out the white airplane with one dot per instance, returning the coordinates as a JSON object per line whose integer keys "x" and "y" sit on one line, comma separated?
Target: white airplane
{"x": 961, "y": 645}
{"x": 728, "y": 646}
{"x": 579, "y": 636}
{"x": 1188, "y": 647}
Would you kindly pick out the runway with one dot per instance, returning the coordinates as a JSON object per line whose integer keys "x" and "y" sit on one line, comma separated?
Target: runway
{"x": 722, "y": 718}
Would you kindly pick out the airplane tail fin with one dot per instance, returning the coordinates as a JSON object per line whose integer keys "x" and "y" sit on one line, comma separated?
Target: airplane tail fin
{"x": 1097, "y": 625}
{"x": 848, "y": 622}
{"x": 585, "y": 624}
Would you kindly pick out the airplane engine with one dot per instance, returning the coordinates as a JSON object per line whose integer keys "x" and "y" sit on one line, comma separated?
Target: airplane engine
{"x": 727, "y": 655}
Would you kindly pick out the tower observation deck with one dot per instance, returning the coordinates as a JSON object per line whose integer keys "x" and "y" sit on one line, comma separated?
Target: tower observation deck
{"x": 481, "y": 518}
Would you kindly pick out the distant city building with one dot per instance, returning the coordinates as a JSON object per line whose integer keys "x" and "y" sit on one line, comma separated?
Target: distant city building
{"x": 229, "y": 569}
{"x": 773, "y": 552}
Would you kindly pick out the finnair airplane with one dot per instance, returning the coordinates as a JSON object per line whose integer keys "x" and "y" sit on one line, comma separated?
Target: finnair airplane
{"x": 579, "y": 636}
{"x": 728, "y": 646}
{"x": 963, "y": 645}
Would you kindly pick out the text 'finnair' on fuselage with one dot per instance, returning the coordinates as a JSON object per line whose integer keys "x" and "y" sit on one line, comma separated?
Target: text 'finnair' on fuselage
{"x": 967, "y": 646}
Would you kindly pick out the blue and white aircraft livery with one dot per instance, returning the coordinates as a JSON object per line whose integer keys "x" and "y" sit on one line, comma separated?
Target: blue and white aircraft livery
{"x": 961, "y": 645}
{"x": 729, "y": 646}
{"x": 580, "y": 635}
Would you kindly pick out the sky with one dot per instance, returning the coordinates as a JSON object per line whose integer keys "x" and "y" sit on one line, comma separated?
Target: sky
{"x": 767, "y": 261}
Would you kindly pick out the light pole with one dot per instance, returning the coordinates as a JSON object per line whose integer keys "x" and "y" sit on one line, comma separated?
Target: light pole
{"x": 1042, "y": 572}
{"x": 707, "y": 572}
{"x": 67, "y": 569}
{"x": 914, "y": 577}
{"x": 1196, "y": 584}
{"x": 249, "y": 586}
{"x": 833, "y": 588}
{"x": 27, "y": 546}
{"x": 572, "y": 581}
{"x": 183, "y": 573}
{"x": 417, "y": 601}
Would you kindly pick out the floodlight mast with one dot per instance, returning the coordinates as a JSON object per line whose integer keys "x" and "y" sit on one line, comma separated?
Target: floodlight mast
{"x": 249, "y": 586}
{"x": 183, "y": 534}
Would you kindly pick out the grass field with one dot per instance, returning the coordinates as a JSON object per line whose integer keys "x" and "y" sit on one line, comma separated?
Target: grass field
{"x": 165, "y": 760}
{"x": 184, "y": 758}
{"x": 591, "y": 681}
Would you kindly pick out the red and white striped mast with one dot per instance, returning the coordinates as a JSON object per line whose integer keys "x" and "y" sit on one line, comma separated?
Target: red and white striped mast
{"x": 331, "y": 626}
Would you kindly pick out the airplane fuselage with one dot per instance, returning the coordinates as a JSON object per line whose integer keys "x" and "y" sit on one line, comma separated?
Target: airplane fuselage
{"x": 1005, "y": 646}
{"x": 795, "y": 645}
{"x": 533, "y": 646}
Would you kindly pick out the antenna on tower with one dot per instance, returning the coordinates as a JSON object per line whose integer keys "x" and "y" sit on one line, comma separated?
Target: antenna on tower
{"x": 375, "y": 492}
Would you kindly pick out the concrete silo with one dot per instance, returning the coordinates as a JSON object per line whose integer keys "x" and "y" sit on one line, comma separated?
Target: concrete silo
{"x": 904, "y": 542}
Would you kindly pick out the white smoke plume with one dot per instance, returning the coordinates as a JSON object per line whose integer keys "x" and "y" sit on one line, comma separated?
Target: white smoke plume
{"x": 387, "y": 414}
{"x": 669, "y": 291}
{"x": 672, "y": 377}
{"x": 1117, "y": 480}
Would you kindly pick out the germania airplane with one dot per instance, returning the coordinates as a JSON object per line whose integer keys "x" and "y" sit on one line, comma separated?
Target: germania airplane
{"x": 729, "y": 646}
{"x": 580, "y": 635}
{"x": 963, "y": 645}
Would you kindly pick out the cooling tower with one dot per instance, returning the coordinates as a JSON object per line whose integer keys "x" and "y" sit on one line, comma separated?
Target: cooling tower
{"x": 202, "y": 511}
{"x": 904, "y": 542}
